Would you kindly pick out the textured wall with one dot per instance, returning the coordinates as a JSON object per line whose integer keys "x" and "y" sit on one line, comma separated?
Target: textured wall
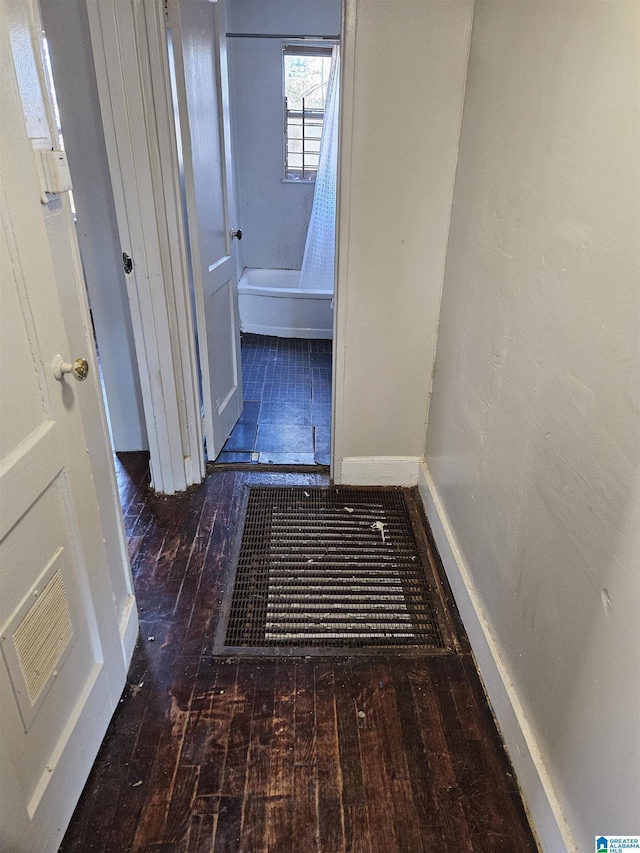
{"x": 534, "y": 425}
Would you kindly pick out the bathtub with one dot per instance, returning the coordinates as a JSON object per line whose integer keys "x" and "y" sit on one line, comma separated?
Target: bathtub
{"x": 271, "y": 303}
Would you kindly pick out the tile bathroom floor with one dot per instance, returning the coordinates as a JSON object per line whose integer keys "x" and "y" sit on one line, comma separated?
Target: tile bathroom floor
{"x": 287, "y": 403}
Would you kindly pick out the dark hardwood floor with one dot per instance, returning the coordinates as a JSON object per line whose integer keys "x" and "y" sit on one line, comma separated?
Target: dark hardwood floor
{"x": 359, "y": 753}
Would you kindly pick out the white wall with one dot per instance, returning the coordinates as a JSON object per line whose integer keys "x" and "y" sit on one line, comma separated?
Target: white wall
{"x": 67, "y": 32}
{"x": 273, "y": 215}
{"x": 533, "y": 441}
{"x": 405, "y": 66}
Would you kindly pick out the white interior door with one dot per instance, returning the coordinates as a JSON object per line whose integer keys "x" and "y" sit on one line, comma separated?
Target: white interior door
{"x": 201, "y": 90}
{"x": 63, "y": 573}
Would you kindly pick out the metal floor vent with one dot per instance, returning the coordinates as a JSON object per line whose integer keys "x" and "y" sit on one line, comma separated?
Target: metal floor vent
{"x": 330, "y": 568}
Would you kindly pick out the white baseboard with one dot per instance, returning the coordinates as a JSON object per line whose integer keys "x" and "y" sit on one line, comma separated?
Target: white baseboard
{"x": 129, "y": 630}
{"x": 379, "y": 471}
{"x": 535, "y": 783}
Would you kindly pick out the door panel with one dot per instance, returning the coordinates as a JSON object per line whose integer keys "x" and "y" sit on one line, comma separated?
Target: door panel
{"x": 62, "y": 663}
{"x": 221, "y": 304}
{"x": 48, "y": 646}
{"x": 21, "y": 414}
{"x": 197, "y": 30}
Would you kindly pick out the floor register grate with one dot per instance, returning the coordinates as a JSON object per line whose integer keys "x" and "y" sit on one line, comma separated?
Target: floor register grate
{"x": 330, "y": 568}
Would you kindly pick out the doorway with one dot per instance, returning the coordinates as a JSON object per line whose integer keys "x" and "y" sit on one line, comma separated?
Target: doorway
{"x": 283, "y": 82}
{"x": 144, "y": 172}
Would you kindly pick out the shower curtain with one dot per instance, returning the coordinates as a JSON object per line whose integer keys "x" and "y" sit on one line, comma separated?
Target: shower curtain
{"x": 318, "y": 261}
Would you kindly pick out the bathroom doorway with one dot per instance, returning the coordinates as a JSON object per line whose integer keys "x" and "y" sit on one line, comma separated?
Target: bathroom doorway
{"x": 284, "y": 71}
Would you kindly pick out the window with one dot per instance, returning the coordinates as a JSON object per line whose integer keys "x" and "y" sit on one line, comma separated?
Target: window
{"x": 306, "y": 76}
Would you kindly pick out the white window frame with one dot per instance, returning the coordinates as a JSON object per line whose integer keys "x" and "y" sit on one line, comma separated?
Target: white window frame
{"x": 308, "y": 47}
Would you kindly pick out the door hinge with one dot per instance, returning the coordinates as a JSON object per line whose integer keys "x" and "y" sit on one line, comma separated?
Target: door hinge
{"x": 127, "y": 263}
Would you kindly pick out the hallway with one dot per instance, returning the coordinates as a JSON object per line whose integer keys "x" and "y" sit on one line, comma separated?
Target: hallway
{"x": 356, "y": 753}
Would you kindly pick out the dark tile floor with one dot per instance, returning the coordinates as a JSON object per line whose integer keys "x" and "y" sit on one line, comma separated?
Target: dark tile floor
{"x": 287, "y": 403}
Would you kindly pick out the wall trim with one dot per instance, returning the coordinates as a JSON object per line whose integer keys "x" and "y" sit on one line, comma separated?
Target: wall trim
{"x": 379, "y": 471}
{"x": 537, "y": 789}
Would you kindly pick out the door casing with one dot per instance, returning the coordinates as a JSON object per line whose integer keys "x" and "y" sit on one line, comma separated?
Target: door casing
{"x": 129, "y": 47}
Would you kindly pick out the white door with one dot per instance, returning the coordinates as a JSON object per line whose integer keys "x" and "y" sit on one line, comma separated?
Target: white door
{"x": 64, "y": 579}
{"x": 201, "y": 89}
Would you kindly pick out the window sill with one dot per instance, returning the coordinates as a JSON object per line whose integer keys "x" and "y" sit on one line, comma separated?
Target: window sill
{"x": 297, "y": 181}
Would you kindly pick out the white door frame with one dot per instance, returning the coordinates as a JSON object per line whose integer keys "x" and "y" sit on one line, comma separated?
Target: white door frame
{"x": 345, "y": 136}
{"x": 129, "y": 45}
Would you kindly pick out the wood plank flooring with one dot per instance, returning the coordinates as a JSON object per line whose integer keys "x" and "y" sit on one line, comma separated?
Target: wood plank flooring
{"x": 354, "y": 754}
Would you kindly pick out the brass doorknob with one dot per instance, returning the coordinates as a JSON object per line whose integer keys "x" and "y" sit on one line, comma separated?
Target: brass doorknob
{"x": 79, "y": 368}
